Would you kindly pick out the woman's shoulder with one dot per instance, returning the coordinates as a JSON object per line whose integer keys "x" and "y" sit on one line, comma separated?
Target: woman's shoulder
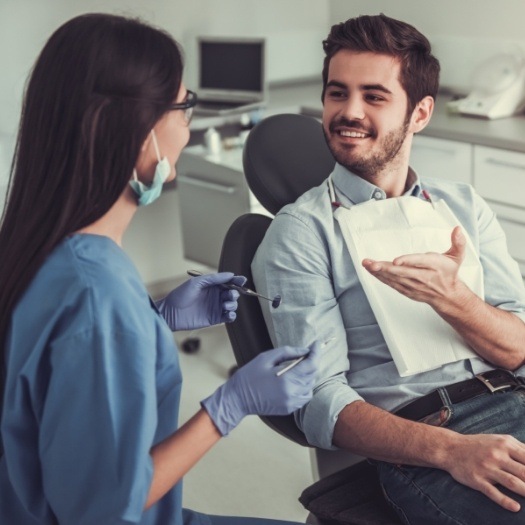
{"x": 91, "y": 262}
{"x": 86, "y": 280}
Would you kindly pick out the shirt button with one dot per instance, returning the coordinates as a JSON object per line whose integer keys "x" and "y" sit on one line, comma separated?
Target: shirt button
{"x": 377, "y": 195}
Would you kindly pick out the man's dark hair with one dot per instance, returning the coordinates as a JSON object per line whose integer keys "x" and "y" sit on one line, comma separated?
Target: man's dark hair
{"x": 380, "y": 34}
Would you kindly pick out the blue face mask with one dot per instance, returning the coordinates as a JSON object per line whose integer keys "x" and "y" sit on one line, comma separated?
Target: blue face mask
{"x": 148, "y": 194}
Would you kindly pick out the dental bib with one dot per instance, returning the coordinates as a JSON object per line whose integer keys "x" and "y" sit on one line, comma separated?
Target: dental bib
{"x": 417, "y": 337}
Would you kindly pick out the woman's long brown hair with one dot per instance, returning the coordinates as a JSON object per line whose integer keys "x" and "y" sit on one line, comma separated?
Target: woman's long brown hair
{"x": 97, "y": 89}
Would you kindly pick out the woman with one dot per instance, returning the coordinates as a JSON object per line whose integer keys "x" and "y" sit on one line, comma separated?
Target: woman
{"x": 91, "y": 377}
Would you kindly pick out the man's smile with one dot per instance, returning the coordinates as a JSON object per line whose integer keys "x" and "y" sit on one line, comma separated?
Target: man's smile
{"x": 353, "y": 134}
{"x": 350, "y": 129}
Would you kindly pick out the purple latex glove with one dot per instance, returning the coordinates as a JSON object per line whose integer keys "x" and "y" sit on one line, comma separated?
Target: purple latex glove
{"x": 201, "y": 301}
{"x": 256, "y": 389}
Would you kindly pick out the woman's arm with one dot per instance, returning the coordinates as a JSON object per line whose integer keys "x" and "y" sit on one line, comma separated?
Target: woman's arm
{"x": 256, "y": 388}
{"x": 176, "y": 455}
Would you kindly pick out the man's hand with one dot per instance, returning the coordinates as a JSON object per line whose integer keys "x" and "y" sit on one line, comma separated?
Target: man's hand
{"x": 479, "y": 461}
{"x": 425, "y": 277}
{"x": 483, "y": 461}
{"x": 432, "y": 278}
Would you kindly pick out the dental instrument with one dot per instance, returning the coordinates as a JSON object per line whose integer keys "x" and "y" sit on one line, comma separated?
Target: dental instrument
{"x": 276, "y": 301}
{"x": 295, "y": 362}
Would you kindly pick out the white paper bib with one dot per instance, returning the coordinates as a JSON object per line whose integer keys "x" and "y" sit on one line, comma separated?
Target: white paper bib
{"x": 417, "y": 337}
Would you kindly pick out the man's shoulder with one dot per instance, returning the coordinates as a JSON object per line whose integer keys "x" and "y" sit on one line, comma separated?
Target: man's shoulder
{"x": 311, "y": 205}
{"x": 304, "y": 222}
{"x": 446, "y": 186}
{"x": 453, "y": 192}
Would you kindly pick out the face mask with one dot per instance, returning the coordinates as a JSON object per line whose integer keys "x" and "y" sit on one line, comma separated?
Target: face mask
{"x": 148, "y": 194}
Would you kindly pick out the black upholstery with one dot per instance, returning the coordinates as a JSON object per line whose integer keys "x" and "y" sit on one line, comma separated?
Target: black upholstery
{"x": 284, "y": 156}
{"x": 244, "y": 236}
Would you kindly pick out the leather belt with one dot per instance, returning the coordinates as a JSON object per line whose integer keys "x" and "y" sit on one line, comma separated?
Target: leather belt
{"x": 489, "y": 382}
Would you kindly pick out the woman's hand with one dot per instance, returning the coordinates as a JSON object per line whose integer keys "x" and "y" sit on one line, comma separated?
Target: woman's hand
{"x": 257, "y": 389}
{"x": 201, "y": 301}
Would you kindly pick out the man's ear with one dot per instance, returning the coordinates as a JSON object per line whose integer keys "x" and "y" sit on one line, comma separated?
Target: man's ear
{"x": 421, "y": 114}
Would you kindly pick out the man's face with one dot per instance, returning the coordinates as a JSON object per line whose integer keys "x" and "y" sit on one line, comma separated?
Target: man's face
{"x": 365, "y": 119}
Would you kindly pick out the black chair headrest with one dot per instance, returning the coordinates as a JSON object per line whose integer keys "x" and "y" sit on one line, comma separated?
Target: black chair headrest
{"x": 284, "y": 156}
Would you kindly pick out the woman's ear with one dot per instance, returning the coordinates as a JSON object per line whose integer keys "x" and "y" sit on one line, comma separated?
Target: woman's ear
{"x": 145, "y": 144}
{"x": 145, "y": 156}
{"x": 421, "y": 114}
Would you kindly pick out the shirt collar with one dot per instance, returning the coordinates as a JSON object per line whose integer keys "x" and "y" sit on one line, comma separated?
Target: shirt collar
{"x": 357, "y": 190}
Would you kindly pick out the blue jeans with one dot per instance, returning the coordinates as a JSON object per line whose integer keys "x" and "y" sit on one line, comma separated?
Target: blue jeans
{"x": 431, "y": 496}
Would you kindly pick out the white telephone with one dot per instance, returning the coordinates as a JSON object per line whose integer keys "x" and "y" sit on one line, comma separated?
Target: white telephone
{"x": 499, "y": 88}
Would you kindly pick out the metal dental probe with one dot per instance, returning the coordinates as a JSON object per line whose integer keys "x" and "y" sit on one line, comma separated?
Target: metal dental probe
{"x": 295, "y": 362}
{"x": 276, "y": 301}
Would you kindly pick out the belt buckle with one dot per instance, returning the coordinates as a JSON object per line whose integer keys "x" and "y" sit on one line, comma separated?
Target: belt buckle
{"x": 492, "y": 389}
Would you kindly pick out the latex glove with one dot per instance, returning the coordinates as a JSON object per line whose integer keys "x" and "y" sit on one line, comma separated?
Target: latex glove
{"x": 255, "y": 388}
{"x": 201, "y": 301}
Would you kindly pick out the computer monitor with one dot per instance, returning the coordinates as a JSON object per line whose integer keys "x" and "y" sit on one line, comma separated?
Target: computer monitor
{"x": 231, "y": 70}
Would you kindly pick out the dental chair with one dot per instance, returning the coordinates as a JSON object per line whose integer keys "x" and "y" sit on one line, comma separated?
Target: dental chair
{"x": 284, "y": 156}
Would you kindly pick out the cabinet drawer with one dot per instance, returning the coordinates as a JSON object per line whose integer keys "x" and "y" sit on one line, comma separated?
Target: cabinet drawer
{"x": 442, "y": 159}
{"x": 499, "y": 175}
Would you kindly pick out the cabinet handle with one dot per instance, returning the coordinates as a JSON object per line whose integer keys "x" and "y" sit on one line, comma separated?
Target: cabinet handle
{"x": 505, "y": 164}
{"x": 207, "y": 185}
{"x": 446, "y": 151}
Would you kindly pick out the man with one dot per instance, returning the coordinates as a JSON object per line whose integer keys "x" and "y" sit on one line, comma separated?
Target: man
{"x": 455, "y": 453}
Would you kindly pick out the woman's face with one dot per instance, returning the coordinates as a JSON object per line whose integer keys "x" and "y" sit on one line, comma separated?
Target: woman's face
{"x": 172, "y": 133}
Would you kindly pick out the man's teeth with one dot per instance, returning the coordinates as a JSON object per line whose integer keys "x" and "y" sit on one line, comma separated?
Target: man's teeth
{"x": 353, "y": 134}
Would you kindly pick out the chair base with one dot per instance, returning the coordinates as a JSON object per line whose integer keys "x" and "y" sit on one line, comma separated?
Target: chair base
{"x": 352, "y": 496}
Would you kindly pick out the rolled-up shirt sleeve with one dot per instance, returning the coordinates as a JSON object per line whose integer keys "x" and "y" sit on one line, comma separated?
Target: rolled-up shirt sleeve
{"x": 297, "y": 267}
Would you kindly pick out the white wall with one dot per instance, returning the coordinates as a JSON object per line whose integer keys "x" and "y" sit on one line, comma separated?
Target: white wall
{"x": 463, "y": 32}
{"x": 293, "y": 28}
{"x": 25, "y": 25}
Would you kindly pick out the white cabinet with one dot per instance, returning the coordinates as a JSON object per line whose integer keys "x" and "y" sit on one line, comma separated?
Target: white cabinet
{"x": 213, "y": 193}
{"x": 441, "y": 159}
{"x": 499, "y": 177}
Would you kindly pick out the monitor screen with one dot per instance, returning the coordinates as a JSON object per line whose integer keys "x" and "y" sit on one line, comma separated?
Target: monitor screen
{"x": 231, "y": 66}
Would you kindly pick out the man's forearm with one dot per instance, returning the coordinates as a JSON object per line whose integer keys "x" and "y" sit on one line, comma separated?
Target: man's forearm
{"x": 374, "y": 433}
{"x": 496, "y": 335}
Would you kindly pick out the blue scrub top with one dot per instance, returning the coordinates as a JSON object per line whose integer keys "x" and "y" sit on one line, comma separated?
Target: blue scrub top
{"x": 93, "y": 382}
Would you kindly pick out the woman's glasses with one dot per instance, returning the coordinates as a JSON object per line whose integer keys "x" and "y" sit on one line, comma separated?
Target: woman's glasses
{"x": 187, "y": 105}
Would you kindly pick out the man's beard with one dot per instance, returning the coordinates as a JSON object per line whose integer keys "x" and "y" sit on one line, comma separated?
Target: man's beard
{"x": 371, "y": 165}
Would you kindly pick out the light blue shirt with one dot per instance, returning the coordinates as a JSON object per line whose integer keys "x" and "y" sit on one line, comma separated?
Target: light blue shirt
{"x": 303, "y": 257}
{"x": 93, "y": 382}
